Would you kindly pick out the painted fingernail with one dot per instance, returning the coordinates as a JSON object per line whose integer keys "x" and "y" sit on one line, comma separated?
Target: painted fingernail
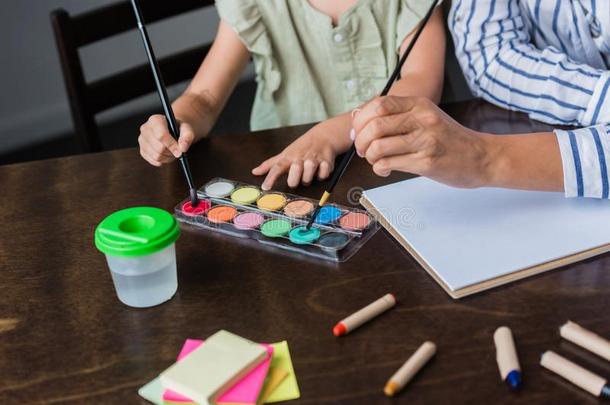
{"x": 352, "y": 134}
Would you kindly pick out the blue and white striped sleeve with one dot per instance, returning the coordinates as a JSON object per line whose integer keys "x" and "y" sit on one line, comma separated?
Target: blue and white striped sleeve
{"x": 502, "y": 66}
{"x": 585, "y": 154}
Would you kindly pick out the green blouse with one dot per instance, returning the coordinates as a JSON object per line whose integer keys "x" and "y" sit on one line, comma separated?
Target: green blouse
{"x": 308, "y": 70}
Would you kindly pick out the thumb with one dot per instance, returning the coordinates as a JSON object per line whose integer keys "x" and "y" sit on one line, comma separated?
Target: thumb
{"x": 187, "y": 136}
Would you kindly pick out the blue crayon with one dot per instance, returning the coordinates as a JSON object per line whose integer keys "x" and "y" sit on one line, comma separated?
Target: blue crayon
{"x": 506, "y": 356}
{"x": 513, "y": 379}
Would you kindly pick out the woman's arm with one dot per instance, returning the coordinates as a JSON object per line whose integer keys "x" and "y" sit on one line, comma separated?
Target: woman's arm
{"x": 413, "y": 135}
{"x": 198, "y": 108}
{"x": 502, "y": 65}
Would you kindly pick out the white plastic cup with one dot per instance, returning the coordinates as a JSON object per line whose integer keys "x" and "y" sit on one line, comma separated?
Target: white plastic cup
{"x": 139, "y": 244}
{"x": 145, "y": 281}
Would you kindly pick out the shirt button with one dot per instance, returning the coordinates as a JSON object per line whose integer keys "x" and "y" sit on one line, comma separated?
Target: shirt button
{"x": 338, "y": 38}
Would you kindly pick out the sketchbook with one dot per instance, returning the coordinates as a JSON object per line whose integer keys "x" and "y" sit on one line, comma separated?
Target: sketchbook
{"x": 471, "y": 240}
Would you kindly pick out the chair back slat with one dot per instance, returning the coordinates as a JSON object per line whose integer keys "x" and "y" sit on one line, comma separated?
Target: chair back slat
{"x": 85, "y": 127}
{"x": 114, "y": 19}
{"x": 138, "y": 81}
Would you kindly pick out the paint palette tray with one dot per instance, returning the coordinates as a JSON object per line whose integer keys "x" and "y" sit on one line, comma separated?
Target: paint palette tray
{"x": 278, "y": 219}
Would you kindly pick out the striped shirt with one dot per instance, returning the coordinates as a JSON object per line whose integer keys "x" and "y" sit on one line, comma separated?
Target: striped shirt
{"x": 549, "y": 59}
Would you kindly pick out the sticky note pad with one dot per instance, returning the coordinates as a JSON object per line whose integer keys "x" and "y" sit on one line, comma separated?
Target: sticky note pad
{"x": 246, "y": 391}
{"x": 288, "y": 388}
{"x": 170, "y": 396}
{"x": 152, "y": 392}
{"x": 213, "y": 367}
{"x": 274, "y": 378}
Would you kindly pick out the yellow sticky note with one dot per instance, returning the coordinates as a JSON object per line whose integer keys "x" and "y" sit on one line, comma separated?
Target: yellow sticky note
{"x": 274, "y": 378}
{"x": 288, "y": 387}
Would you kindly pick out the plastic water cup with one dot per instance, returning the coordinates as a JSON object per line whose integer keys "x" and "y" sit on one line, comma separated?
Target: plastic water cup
{"x": 139, "y": 244}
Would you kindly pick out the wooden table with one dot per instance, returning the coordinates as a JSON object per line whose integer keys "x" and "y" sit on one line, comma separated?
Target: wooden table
{"x": 65, "y": 338}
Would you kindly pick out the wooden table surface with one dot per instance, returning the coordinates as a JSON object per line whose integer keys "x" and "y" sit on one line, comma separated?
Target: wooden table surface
{"x": 65, "y": 338}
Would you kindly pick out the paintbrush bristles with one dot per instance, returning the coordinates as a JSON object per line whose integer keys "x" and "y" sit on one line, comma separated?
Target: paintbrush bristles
{"x": 314, "y": 214}
{"x": 194, "y": 198}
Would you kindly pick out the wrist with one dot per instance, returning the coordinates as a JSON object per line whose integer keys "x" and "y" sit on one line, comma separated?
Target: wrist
{"x": 494, "y": 163}
{"x": 332, "y": 134}
{"x": 197, "y": 111}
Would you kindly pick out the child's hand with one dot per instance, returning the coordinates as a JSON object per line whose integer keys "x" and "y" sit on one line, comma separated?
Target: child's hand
{"x": 158, "y": 146}
{"x": 312, "y": 153}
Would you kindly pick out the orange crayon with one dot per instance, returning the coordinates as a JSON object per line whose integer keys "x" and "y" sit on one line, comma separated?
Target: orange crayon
{"x": 364, "y": 315}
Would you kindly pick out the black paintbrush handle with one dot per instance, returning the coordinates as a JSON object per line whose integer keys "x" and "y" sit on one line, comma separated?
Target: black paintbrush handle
{"x": 352, "y": 151}
{"x": 341, "y": 168}
{"x": 174, "y": 129}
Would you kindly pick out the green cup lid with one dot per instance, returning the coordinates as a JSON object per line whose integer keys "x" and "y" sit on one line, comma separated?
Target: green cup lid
{"x": 136, "y": 231}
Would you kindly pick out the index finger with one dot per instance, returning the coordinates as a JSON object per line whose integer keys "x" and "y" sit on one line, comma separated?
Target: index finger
{"x": 276, "y": 171}
{"x": 160, "y": 131}
{"x": 381, "y": 107}
{"x": 171, "y": 144}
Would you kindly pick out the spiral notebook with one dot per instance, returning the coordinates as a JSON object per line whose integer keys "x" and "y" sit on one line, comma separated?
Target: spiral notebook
{"x": 471, "y": 240}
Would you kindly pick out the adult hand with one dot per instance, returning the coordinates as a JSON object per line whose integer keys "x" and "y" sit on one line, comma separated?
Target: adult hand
{"x": 158, "y": 146}
{"x": 413, "y": 135}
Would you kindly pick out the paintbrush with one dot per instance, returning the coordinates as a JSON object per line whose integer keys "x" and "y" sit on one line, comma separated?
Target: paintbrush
{"x": 174, "y": 129}
{"x": 352, "y": 151}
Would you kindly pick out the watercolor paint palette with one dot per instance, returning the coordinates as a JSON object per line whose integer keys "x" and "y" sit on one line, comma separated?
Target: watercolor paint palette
{"x": 278, "y": 219}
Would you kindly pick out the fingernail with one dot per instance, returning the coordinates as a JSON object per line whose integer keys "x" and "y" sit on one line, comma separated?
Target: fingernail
{"x": 355, "y": 111}
{"x": 352, "y": 134}
{"x": 359, "y": 154}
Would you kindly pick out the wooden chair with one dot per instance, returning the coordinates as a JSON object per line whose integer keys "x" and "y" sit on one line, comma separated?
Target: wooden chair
{"x": 89, "y": 99}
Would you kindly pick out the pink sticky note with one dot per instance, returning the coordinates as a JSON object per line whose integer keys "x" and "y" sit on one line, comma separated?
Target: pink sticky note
{"x": 245, "y": 391}
{"x": 248, "y": 389}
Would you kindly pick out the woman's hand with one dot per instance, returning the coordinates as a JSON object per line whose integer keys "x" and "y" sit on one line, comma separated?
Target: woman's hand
{"x": 158, "y": 146}
{"x": 411, "y": 134}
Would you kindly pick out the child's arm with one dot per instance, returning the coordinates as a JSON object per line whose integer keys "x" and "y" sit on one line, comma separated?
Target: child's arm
{"x": 198, "y": 108}
{"x": 422, "y": 73}
{"x": 316, "y": 150}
